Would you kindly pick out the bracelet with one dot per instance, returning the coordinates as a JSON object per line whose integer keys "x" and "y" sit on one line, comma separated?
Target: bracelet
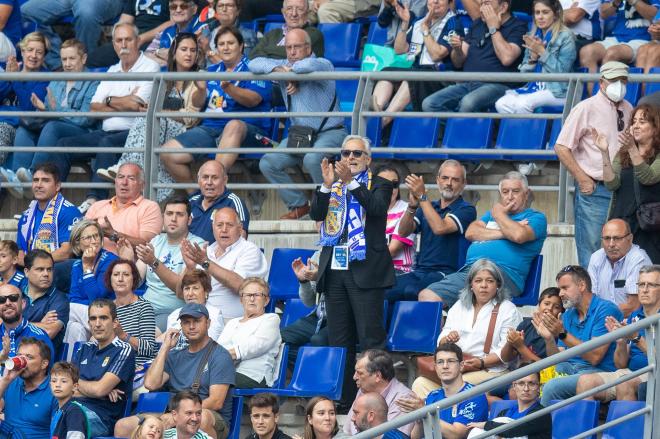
{"x": 413, "y": 210}
{"x": 127, "y": 339}
{"x": 483, "y": 364}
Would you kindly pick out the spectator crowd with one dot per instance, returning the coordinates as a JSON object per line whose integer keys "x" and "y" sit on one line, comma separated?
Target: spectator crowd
{"x": 124, "y": 295}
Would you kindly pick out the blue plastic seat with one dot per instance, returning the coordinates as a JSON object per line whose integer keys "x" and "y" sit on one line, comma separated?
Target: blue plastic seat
{"x": 633, "y": 89}
{"x": 497, "y": 406}
{"x": 64, "y": 351}
{"x": 294, "y": 309}
{"x": 342, "y": 43}
{"x": 468, "y": 133}
{"x": 522, "y": 134}
{"x": 377, "y": 34}
{"x": 283, "y": 282}
{"x": 632, "y": 428}
{"x": 153, "y": 402}
{"x": 270, "y": 25}
{"x": 554, "y": 134}
{"x": 280, "y": 379}
{"x": 530, "y": 294}
{"x": 406, "y": 334}
{"x": 346, "y": 90}
{"x": 415, "y": 133}
{"x": 235, "y": 424}
{"x": 652, "y": 87}
{"x": 574, "y": 419}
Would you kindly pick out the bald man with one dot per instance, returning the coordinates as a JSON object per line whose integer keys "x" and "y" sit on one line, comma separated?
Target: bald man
{"x": 614, "y": 268}
{"x": 369, "y": 411}
{"x": 229, "y": 260}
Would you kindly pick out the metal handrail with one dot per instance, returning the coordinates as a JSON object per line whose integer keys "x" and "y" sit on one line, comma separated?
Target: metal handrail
{"x": 429, "y": 413}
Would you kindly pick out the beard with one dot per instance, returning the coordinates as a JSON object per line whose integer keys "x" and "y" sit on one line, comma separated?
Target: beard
{"x": 447, "y": 194}
{"x": 11, "y": 319}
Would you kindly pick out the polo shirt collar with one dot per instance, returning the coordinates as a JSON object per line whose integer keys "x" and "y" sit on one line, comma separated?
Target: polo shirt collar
{"x": 48, "y": 293}
{"x": 42, "y": 386}
{"x": 454, "y": 205}
{"x": 110, "y": 345}
{"x": 113, "y": 201}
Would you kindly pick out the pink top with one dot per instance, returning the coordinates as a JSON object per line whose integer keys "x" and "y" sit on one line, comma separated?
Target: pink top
{"x": 140, "y": 219}
{"x": 595, "y": 112}
{"x": 405, "y": 258}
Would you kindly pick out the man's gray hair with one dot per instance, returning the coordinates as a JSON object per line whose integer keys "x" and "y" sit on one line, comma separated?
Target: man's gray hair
{"x": 514, "y": 175}
{"x": 119, "y": 24}
{"x": 467, "y": 296}
{"x": 140, "y": 169}
{"x": 455, "y": 163}
{"x": 304, "y": 2}
{"x": 653, "y": 268}
{"x": 365, "y": 141}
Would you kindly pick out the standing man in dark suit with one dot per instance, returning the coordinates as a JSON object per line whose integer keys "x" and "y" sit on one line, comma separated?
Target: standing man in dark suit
{"x": 355, "y": 266}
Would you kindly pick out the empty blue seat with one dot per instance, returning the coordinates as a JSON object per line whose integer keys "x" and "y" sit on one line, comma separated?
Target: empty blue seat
{"x": 406, "y": 334}
{"x": 377, "y": 34}
{"x": 530, "y": 294}
{"x": 270, "y": 25}
{"x": 280, "y": 379}
{"x": 346, "y": 90}
{"x": 497, "y": 406}
{"x": 554, "y": 133}
{"x": 342, "y": 43}
{"x": 522, "y": 134}
{"x": 652, "y": 87}
{"x": 632, "y": 428}
{"x": 468, "y": 133}
{"x": 281, "y": 279}
{"x": 294, "y": 309}
{"x": 153, "y": 402}
{"x": 633, "y": 89}
{"x": 574, "y": 419}
{"x": 415, "y": 133}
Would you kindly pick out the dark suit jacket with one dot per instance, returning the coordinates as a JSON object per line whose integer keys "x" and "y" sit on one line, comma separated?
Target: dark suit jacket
{"x": 376, "y": 271}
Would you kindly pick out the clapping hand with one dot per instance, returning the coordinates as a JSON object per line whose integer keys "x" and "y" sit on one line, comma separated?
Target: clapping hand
{"x": 409, "y": 403}
{"x": 125, "y": 249}
{"x": 37, "y": 103}
{"x": 12, "y": 65}
{"x": 193, "y": 252}
{"x": 515, "y": 338}
{"x": 328, "y": 173}
{"x": 415, "y": 185}
{"x": 343, "y": 171}
{"x": 403, "y": 12}
{"x": 145, "y": 253}
{"x": 540, "y": 327}
{"x": 305, "y": 272}
{"x": 600, "y": 140}
{"x": 534, "y": 44}
{"x": 6, "y": 347}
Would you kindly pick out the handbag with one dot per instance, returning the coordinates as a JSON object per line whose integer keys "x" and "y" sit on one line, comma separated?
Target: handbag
{"x": 375, "y": 58}
{"x": 426, "y": 364}
{"x": 648, "y": 214}
{"x": 301, "y": 136}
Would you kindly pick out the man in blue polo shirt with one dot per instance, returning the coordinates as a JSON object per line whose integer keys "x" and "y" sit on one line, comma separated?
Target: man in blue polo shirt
{"x": 441, "y": 226}
{"x": 28, "y": 402}
{"x": 510, "y": 234}
{"x": 583, "y": 320}
{"x": 9, "y": 272}
{"x": 14, "y": 325}
{"x": 47, "y": 307}
{"x": 107, "y": 366}
{"x": 211, "y": 196}
{"x": 184, "y": 15}
{"x": 47, "y": 222}
{"x": 454, "y": 419}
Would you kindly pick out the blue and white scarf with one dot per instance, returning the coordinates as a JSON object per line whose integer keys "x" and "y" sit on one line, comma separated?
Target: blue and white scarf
{"x": 343, "y": 210}
{"x": 533, "y": 87}
{"x": 44, "y": 236}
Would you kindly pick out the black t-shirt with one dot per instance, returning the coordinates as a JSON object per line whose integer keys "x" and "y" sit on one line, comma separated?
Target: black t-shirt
{"x": 532, "y": 339}
{"x": 70, "y": 419}
{"x": 481, "y": 55}
{"x": 148, "y": 13}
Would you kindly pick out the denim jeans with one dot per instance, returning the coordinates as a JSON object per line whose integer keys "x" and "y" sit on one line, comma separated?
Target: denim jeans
{"x": 101, "y": 160}
{"x": 590, "y": 215}
{"x": 466, "y": 97}
{"x": 273, "y": 166}
{"x": 88, "y": 18}
{"x": 51, "y": 133}
{"x": 564, "y": 387}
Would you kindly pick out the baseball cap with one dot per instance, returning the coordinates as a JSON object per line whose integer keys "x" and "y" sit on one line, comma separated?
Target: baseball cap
{"x": 613, "y": 69}
{"x": 194, "y": 310}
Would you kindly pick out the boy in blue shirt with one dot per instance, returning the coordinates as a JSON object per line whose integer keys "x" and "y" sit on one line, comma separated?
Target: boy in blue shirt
{"x": 69, "y": 421}
{"x": 8, "y": 263}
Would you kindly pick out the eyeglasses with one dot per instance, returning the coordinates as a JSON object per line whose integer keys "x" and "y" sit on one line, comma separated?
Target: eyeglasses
{"x": 295, "y": 46}
{"x": 645, "y": 285}
{"x": 88, "y": 238}
{"x": 615, "y": 239}
{"x": 225, "y": 6}
{"x": 290, "y": 9}
{"x": 620, "y": 124}
{"x": 449, "y": 362}
{"x": 482, "y": 42}
{"x": 12, "y": 298}
{"x": 346, "y": 153}
{"x": 528, "y": 384}
{"x": 182, "y": 6}
{"x": 395, "y": 184}
{"x": 253, "y": 296}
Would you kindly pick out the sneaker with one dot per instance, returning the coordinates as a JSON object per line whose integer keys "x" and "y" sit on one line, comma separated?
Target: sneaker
{"x": 8, "y": 176}
{"x": 108, "y": 174}
{"x": 18, "y": 216}
{"x": 24, "y": 175}
{"x": 84, "y": 207}
{"x": 296, "y": 212}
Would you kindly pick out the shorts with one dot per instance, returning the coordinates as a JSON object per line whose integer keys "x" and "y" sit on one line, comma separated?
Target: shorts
{"x": 220, "y": 426}
{"x": 633, "y": 44}
{"x": 608, "y": 377}
{"x": 208, "y": 137}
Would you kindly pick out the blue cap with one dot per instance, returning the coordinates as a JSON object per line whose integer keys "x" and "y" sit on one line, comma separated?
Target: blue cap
{"x": 195, "y": 310}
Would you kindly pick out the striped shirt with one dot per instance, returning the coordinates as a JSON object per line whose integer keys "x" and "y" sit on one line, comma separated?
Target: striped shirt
{"x": 172, "y": 434}
{"x": 404, "y": 259}
{"x": 137, "y": 320}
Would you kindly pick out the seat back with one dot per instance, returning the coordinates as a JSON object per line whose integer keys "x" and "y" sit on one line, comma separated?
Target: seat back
{"x": 652, "y": 87}
{"x": 497, "y": 406}
{"x": 280, "y": 366}
{"x": 342, "y": 43}
{"x": 319, "y": 370}
{"x": 270, "y": 25}
{"x": 632, "y": 428}
{"x": 530, "y": 294}
{"x": 416, "y": 132}
{"x": 468, "y": 133}
{"x": 377, "y": 34}
{"x": 236, "y": 412}
{"x": 522, "y": 134}
{"x": 294, "y": 309}
{"x": 153, "y": 402}
{"x": 574, "y": 419}
{"x": 281, "y": 279}
{"x": 346, "y": 90}
{"x": 406, "y": 334}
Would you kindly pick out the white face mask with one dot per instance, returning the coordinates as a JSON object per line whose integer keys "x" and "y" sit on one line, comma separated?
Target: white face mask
{"x": 616, "y": 91}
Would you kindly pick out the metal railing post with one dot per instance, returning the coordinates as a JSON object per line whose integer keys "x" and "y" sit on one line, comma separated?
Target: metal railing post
{"x": 432, "y": 427}
{"x": 357, "y": 105}
{"x": 152, "y": 136}
{"x": 652, "y": 419}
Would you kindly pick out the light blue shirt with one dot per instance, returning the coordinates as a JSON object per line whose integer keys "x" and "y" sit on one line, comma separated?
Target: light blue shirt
{"x": 614, "y": 282}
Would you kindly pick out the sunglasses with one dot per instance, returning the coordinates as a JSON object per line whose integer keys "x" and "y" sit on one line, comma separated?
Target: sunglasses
{"x": 182, "y": 6}
{"x": 346, "y": 153}
{"x": 482, "y": 42}
{"x": 571, "y": 269}
{"x": 620, "y": 124}
{"x": 12, "y": 298}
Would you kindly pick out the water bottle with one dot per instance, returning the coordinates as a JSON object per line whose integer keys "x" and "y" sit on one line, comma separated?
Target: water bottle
{"x": 266, "y": 141}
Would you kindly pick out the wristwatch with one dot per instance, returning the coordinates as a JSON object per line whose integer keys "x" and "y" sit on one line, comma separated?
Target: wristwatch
{"x": 426, "y": 33}
{"x": 114, "y": 237}
{"x": 155, "y": 264}
{"x": 562, "y": 335}
{"x": 108, "y": 100}
{"x": 205, "y": 265}
{"x": 492, "y": 30}
{"x": 423, "y": 197}
{"x": 636, "y": 339}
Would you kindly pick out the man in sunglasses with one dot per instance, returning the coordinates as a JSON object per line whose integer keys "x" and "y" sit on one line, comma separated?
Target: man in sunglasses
{"x": 615, "y": 267}
{"x": 355, "y": 266}
{"x": 14, "y": 326}
{"x": 608, "y": 113}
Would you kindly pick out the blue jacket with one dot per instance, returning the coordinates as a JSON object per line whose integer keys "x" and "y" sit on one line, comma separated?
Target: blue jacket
{"x": 16, "y": 96}
{"x": 558, "y": 57}
{"x": 79, "y": 99}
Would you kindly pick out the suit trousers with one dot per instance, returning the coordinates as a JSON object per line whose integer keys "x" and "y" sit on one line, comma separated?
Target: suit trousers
{"x": 355, "y": 315}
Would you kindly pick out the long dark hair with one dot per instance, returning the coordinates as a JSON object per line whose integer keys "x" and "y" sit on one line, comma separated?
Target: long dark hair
{"x": 309, "y": 430}
{"x": 171, "y": 58}
{"x": 652, "y": 115}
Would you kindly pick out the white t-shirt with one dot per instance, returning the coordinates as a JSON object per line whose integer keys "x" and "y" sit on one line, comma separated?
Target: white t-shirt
{"x": 243, "y": 258}
{"x": 125, "y": 88}
{"x": 584, "y": 26}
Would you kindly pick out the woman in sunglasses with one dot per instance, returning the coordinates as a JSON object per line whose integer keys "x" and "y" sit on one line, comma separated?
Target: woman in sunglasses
{"x": 253, "y": 341}
{"x": 402, "y": 248}
{"x": 634, "y": 175}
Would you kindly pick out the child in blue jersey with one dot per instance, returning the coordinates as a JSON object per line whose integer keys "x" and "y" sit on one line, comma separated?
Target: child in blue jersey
{"x": 454, "y": 420}
{"x": 8, "y": 263}
{"x": 69, "y": 421}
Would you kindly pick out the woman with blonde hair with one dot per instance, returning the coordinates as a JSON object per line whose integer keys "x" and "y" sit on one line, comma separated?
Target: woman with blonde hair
{"x": 150, "y": 427}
